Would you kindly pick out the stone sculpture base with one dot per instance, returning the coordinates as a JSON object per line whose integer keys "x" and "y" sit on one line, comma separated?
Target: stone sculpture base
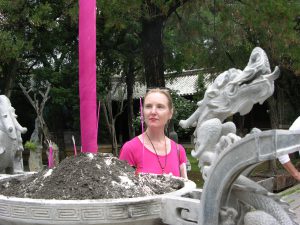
{"x": 35, "y": 160}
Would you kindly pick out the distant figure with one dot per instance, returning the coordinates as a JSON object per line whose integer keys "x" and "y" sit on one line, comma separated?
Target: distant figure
{"x": 153, "y": 151}
{"x": 285, "y": 159}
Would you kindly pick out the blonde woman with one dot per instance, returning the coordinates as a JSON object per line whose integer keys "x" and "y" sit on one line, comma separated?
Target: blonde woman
{"x": 153, "y": 151}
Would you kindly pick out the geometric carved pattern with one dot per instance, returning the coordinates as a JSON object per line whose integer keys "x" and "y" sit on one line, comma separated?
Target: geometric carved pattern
{"x": 138, "y": 210}
{"x": 4, "y": 210}
{"x": 67, "y": 214}
{"x": 148, "y": 209}
{"x": 40, "y": 213}
{"x": 93, "y": 213}
{"x": 19, "y": 211}
{"x": 155, "y": 208}
{"x": 78, "y": 214}
{"x": 117, "y": 212}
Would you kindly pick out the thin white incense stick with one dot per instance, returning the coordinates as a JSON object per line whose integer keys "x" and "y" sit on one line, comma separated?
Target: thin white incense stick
{"x": 98, "y": 119}
{"x": 74, "y": 145}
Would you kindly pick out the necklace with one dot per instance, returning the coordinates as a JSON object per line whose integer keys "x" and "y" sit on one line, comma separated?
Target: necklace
{"x": 162, "y": 167}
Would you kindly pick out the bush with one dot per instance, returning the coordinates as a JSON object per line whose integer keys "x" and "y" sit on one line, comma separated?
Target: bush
{"x": 183, "y": 109}
{"x": 31, "y": 146}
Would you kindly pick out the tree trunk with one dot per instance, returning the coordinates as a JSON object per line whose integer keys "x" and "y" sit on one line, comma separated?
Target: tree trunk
{"x": 153, "y": 51}
{"x": 274, "y": 119}
{"x": 130, "y": 77}
{"x": 107, "y": 109}
{"x": 10, "y": 73}
{"x": 35, "y": 158}
{"x": 289, "y": 84}
{"x": 110, "y": 120}
{"x": 39, "y": 108}
{"x": 114, "y": 139}
{"x": 153, "y": 21}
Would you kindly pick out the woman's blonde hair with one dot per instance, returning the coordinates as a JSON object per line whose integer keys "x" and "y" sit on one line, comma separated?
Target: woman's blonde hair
{"x": 163, "y": 91}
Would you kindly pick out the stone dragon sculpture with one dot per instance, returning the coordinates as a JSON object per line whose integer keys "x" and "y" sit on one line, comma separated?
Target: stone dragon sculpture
{"x": 236, "y": 91}
{"x": 10, "y": 138}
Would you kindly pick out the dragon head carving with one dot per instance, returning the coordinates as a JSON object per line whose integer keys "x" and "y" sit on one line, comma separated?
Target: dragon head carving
{"x": 236, "y": 91}
{"x": 233, "y": 91}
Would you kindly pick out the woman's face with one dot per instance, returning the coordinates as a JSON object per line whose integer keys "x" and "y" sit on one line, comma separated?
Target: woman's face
{"x": 156, "y": 110}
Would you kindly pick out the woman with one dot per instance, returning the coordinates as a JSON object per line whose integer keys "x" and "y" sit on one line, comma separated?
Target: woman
{"x": 152, "y": 151}
{"x": 285, "y": 159}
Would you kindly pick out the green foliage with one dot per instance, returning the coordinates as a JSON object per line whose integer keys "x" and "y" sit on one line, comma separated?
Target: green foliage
{"x": 219, "y": 35}
{"x": 121, "y": 15}
{"x": 137, "y": 123}
{"x": 194, "y": 173}
{"x": 42, "y": 16}
{"x": 201, "y": 88}
{"x": 268, "y": 24}
{"x": 183, "y": 38}
{"x": 31, "y": 146}
{"x": 183, "y": 109}
{"x": 10, "y": 48}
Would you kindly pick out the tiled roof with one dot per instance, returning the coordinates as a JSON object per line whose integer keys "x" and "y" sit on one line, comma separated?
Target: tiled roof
{"x": 184, "y": 84}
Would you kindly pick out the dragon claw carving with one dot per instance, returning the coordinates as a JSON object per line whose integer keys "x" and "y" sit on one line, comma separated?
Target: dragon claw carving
{"x": 259, "y": 218}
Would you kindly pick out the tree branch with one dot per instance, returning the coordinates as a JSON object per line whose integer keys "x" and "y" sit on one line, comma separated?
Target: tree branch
{"x": 106, "y": 117}
{"x": 26, "y": 93}
{"x": 45, "y": 96}
{"x": 176, "y": 4}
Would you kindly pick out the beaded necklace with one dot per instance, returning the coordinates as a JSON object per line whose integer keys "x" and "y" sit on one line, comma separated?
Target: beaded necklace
{"x": 162, "y": 167}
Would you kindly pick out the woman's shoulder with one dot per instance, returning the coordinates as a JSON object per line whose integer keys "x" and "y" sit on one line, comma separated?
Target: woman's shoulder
{"x": 179, "y": 150}
{"x": 129, "y": 147}
{"x": 175, "y": 144}
{"x": 133, "y": 141}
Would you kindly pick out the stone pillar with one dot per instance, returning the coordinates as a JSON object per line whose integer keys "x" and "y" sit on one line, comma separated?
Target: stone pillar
{"x": 35, "y": 159}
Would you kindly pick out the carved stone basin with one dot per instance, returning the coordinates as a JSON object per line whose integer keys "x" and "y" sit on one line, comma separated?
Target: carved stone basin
{"x": 141, "y": 210}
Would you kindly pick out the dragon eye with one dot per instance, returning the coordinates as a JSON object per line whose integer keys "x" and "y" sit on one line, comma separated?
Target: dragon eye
{"x": 5, "y": 116}
{"x": 232, "y": 89}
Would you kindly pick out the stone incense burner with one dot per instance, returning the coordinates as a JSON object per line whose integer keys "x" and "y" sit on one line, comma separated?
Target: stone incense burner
{"x": 141, "y": 210}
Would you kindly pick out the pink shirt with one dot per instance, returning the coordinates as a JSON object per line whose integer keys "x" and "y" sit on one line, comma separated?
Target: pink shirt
{"x": 132, "y": 152}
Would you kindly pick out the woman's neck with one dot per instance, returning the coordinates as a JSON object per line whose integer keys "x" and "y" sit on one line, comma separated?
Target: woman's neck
{"x": 156, "y": 141}
{"x": 156, "y": 135}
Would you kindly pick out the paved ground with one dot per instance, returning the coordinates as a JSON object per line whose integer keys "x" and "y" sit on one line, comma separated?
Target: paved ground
{"x": 292, "y": 196}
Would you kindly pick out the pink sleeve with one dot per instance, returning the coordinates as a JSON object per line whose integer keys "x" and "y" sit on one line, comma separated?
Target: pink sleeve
{"x": 182, "y": 155}
{"x": 127, "y": 154}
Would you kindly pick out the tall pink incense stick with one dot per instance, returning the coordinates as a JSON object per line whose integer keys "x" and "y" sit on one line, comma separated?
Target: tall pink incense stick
{"x": 142, "y": 125}
{"x": 50, "y": 156}
{"x": 87, "y": 75}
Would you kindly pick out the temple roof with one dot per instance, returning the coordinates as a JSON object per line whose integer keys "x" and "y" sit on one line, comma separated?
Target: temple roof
{"x": 184, "y": 83}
